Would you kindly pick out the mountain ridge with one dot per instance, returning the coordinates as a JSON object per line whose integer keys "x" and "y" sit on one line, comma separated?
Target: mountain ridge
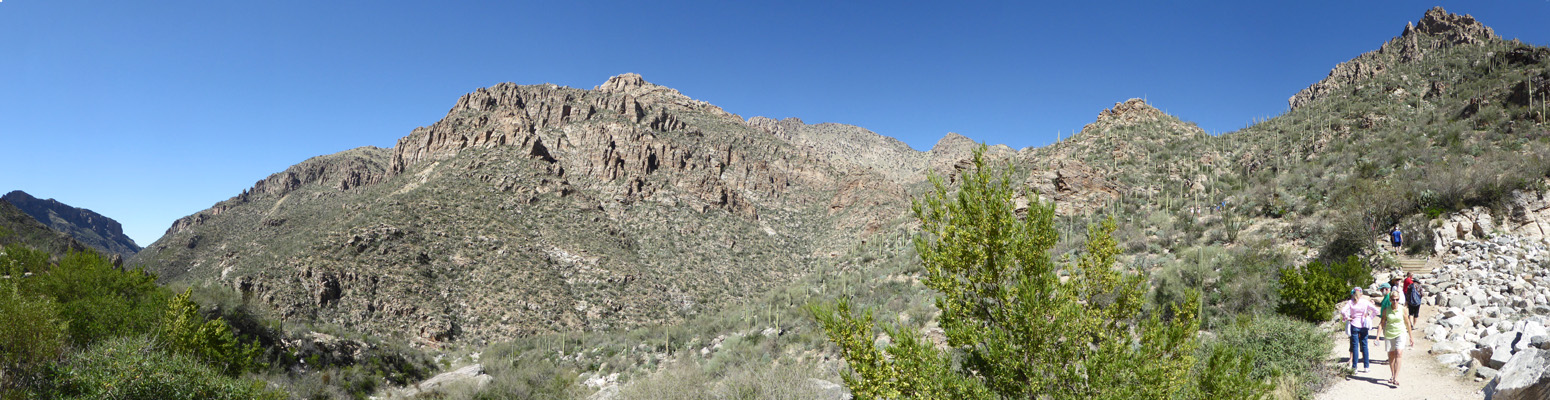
{"x": 90, "y": 228}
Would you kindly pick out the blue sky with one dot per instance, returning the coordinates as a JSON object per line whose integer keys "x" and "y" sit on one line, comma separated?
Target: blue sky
{"x": 147, "y": 111}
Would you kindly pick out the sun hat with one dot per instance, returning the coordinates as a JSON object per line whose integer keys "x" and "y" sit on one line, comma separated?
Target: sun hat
{"x": 1385, "y": 285}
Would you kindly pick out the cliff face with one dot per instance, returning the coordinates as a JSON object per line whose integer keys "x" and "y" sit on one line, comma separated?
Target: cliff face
{"x": 88, "y": 227}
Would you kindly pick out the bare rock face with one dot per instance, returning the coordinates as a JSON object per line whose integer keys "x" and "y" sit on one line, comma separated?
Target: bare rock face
{"x": 620, "y": 134}
{"x": 1437, "y": 29}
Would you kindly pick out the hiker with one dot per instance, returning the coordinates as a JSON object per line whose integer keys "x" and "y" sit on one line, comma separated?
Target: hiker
{"x": 1413, "y": 298}
{"x": 1358, "y": 314}
{"x": 1391, "y": 327}
{"x": 1397, "y": 239}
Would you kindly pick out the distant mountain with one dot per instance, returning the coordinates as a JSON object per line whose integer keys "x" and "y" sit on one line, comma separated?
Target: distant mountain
{"x": 18, "y": 227}
{"x": 93, "y": 229}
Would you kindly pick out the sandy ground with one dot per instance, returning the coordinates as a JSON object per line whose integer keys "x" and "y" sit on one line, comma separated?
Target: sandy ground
{"x": 1420, "y": 376}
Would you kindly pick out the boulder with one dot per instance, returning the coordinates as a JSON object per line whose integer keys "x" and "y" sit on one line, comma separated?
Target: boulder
{"x": 1522, "y": 378}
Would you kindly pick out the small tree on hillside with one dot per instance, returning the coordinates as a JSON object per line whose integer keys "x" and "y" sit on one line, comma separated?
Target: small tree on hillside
{"x": 1013, "y": 328}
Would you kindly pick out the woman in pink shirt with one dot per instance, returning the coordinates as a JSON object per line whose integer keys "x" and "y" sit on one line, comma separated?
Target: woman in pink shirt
{"x": 1358, "y": 314}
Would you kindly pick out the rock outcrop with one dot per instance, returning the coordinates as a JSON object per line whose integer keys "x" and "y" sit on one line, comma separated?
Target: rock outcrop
{"x": 1437, "y": 29}
{"x": 88, "y": 227}
{"x": 616, "y": 138}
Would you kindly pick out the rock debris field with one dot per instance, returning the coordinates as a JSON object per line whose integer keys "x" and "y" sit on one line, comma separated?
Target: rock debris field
{"x": 1492, "y": 302}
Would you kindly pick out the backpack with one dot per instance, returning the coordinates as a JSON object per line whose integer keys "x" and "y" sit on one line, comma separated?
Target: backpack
{"x": 1414, "y": 297}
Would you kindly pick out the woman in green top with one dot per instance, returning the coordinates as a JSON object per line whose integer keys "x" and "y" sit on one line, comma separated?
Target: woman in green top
{"x": 1392, "y": 328}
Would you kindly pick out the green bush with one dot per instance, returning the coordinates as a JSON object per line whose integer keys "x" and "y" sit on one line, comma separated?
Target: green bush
{"x": 187, "y": 332}
{"x": 31, "y": 337}
{"x": 1276, "y": 346}
{"x": 129, "y": 368}
{"x": 99, "y": 300}
{"x": 1310, "y": 293}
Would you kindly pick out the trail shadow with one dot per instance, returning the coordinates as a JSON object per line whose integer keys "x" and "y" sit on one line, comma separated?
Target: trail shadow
{"x": 1375, "y": 381}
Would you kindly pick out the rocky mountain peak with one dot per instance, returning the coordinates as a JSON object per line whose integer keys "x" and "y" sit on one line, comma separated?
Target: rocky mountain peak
{"x": 1454, "y": 28}
{"x": 953, "y": 143}
{"x": 623, "y": 83}
{"x": 1437, "y": 29}
{"x": 1129, "y": 112}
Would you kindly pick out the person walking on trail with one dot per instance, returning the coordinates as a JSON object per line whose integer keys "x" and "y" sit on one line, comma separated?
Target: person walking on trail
{"x": 1358, "y": 314}
{"x": 1397, "y": 238}
{"x": 1391, "y": 328}
{"x": 1413, "y": 298}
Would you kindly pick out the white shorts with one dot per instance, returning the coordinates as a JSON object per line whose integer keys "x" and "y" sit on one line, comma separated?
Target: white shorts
{"x": 1396, "y": 344}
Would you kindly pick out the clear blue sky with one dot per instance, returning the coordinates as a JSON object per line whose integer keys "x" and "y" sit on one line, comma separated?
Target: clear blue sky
{"x": 147, "y": 111}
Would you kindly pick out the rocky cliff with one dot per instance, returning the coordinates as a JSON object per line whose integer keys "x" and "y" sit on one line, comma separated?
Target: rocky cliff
{"x": 90, "y": 228}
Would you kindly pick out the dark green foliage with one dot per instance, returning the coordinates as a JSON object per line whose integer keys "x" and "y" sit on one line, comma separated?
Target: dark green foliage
{"x": 211, "y": 341}
{"x": 1310, "y": 293}
{"x": 128, "y": 368}
{"x": 99, "y": 300}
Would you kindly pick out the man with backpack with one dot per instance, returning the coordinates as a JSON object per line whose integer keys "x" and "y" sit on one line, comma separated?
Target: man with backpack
{"x": 1413, "y": 296}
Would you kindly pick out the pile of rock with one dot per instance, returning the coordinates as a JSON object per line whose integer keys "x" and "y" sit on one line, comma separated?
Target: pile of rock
{"x": 1493, "y": 300}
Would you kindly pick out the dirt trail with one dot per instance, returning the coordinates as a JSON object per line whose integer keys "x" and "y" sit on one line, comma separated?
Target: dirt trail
{"x": 1420, "y": 376}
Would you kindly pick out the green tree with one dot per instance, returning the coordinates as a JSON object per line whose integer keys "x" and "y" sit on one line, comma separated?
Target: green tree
{"x": 187, "y": 332}
{"x": 1310, "y": 292}
{"x": 98, "y": 299}
{"x": 1015, "y": 328}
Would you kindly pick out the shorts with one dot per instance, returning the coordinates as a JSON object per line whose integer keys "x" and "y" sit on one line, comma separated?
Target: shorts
{"x": 1415, "y": 310}
{"x": 1396, "y": 344}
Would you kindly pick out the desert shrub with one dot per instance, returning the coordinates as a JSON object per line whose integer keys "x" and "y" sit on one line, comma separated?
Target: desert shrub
{"x": 1231, "y": 281}
{"x": 1310, "y": 293}
{"x": 529, "y": 377}
{"x": 99, "y": 300}
{"x": 1277, "y": 346}
{"x": 187, "y": 332}
{"x": 688, "y": 381}
{"x": 136, "y": 368}
{"x": 31, "y": 337}
{"x": 1417, "y": 234}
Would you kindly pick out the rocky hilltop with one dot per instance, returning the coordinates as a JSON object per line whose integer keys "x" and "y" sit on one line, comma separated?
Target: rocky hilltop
{"x": 1437, "y": 29}
{"x": 90, "y": 228}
